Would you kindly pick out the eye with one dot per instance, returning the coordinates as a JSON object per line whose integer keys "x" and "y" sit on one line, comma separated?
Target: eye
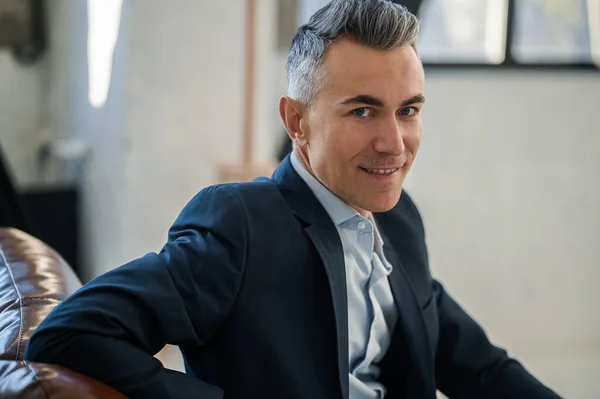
{"x": 363, "y": 112}
{"x": 409, "y": 111}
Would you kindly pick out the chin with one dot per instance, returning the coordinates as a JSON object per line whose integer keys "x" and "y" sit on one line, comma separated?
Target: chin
{"x": 381, "y": 208}
{"x": 382, "y": 205}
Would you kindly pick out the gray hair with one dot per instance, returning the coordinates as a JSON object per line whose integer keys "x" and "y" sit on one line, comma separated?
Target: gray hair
{"x": 378, "y": 24}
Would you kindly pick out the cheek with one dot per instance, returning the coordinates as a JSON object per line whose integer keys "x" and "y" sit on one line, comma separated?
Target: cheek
{"x": 358, "y": 138}
{"x": 338, "y": 146}
{"x": 340, "y": 141}
{"x": 337, "y": 159}
{"x": 412, "y": 140}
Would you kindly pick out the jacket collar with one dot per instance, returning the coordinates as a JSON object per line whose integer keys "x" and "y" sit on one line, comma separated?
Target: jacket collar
{"x": 299, "y": 195}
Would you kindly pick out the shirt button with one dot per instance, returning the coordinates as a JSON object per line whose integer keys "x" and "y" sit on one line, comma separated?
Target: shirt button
{"x": 362, "y": 225}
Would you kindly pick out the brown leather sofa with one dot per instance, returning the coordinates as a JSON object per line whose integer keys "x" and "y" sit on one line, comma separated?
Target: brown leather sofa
{"x": 34, "y": 279}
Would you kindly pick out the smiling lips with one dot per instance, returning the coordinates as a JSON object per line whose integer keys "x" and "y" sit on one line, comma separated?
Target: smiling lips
{"x": 382, "y": 171}
{"x": 385, "y": 175}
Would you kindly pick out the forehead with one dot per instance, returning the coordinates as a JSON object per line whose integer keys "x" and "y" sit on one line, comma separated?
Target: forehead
{"x": 351, "y": 68}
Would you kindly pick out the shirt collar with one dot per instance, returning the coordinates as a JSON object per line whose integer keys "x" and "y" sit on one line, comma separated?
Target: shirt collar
{"x": 378, "y": 238}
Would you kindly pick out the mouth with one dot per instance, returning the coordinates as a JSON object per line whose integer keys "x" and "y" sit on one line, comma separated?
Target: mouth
{"x": 381, "y": 174}
{"x": 381, "y": 171}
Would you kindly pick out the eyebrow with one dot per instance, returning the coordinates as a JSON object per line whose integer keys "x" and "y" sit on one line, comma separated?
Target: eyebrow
{"x": 370, "y": 100}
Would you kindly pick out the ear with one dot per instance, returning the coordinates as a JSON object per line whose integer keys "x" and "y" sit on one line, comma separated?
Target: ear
{"x": 292, "y": 113}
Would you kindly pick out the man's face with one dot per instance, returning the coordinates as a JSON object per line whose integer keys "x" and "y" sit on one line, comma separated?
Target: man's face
{"x": 363, "y": 131}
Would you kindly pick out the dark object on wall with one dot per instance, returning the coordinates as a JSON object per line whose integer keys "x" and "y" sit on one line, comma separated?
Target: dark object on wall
{"x": 12, "y": 213}
{"x": 22, "y": 28}
{"x": 55, "y": 212}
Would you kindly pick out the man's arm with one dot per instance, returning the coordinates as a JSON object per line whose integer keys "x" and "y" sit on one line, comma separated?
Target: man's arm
{"x": 469, "y": 366}
{"x": 112, "y": 327}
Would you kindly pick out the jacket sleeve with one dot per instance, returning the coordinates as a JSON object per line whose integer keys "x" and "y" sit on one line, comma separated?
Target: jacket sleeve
{"x": 112, "y": 327}
{"x": 468, "y": 365}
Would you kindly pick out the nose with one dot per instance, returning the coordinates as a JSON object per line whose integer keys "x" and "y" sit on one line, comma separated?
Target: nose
{"x": 390, "y": 138}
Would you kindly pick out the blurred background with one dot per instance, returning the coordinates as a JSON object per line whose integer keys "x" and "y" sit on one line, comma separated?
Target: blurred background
{"x": 114, "y": 113}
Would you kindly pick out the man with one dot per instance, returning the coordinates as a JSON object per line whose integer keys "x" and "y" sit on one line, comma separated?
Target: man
{"x": 314, "y": 283}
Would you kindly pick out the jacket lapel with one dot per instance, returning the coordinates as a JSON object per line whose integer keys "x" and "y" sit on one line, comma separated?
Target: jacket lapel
{"x": 410, "y": 319}
{"x": 330, "y": 249}
{"x": 323, "y": 233}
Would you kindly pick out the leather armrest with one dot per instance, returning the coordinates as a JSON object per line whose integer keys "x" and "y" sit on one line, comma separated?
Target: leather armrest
{"x": 30, "y": 380}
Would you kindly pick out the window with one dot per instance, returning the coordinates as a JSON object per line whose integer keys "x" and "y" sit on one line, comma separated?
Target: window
{"x": 463, "y": 31}
{"x": 510, "y": 32}
{"x": 552, "y": 31}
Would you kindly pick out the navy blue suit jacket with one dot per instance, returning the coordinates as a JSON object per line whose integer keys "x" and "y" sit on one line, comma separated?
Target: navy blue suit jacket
{"x": 251, "y": 285}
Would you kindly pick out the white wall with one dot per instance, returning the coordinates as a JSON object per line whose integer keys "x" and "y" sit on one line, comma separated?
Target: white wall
{"x": 508, "y": 181}
{"x": 184, "y": 96}
{"x": 68, "y": 115}
{"x": 174, "y": 114}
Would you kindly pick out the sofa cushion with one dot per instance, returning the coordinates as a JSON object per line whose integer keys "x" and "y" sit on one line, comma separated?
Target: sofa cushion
{"x": 27, "y": 380}
{"x": 33, "y": 279}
